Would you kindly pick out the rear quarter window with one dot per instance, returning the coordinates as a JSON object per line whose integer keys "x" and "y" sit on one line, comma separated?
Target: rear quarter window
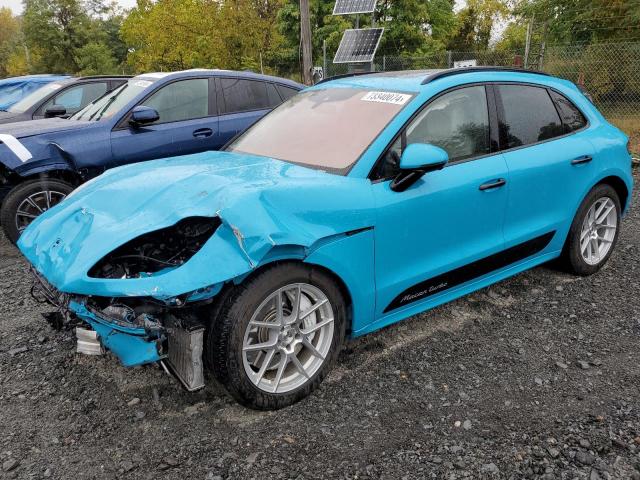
{"x": 572, "y": 117}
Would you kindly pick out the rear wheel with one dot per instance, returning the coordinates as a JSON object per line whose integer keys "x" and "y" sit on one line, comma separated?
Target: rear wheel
{"x": 276, "y": 337}
{"x": 29, "y": 200}
{"x": 594, "y": 232}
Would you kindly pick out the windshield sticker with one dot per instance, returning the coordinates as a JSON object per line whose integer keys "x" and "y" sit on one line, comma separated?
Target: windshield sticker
{"x": 143, "y": 83}
{"x": 387, "y": 97}
{"x": 16, "y": 147}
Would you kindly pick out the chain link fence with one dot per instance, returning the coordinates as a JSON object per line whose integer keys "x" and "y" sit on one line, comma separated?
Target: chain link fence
{"x": 610, "y": 73}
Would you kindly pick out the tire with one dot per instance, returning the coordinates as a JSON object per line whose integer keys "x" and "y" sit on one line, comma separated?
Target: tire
{"x": 231, "y": 329}
{"x": 574, "y": 252}
{"x": 19, "y": 194}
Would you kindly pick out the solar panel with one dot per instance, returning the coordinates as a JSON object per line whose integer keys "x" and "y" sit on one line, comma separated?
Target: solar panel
{"x": 358, "y": 45}
{"x": 348, "y": 7}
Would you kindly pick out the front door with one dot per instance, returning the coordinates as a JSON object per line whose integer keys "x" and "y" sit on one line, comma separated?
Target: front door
{"x": 188, "y": 124}
{"x": 447, "y": 228}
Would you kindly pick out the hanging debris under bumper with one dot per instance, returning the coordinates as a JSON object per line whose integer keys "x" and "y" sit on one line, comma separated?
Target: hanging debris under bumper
{"x": 138, "y": 331}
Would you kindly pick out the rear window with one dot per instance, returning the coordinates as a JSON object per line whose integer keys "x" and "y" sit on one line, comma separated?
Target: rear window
{"x": 286, "y": 92}
{"x": 247, "y": 95}
{"x": 572, "y": 118}
{"x": 529, "y": 115}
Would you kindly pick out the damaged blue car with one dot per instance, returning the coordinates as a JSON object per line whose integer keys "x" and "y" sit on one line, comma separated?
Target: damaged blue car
{"x": 357, "y": 203}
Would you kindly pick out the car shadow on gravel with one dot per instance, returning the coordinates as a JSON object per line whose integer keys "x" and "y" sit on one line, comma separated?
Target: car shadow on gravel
{"x": 535, "y": 377}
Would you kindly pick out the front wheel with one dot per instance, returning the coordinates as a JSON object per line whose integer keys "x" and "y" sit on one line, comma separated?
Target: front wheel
{"x": 27, "y": 201}
{"x": 594, "y": 231}
{"x": 276, "y": 337}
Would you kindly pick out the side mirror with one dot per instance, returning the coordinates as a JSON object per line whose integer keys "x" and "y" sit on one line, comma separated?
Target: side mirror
{"x": 142, "y": 115}
{"x": 55, "y": 111}
{"x": 418, "y": 159}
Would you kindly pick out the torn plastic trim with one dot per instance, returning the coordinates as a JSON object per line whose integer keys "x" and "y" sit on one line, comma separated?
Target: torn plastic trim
{"x": 133, "y": 346}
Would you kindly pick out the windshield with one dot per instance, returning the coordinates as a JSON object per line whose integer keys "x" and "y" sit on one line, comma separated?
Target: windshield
{"x": 107, "y": 106}
{"x": 33, "y": 98}
{"x": 328, "y": 129}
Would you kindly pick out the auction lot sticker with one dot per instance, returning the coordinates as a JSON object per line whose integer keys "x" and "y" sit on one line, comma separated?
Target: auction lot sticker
{"x": 387, "y": 97}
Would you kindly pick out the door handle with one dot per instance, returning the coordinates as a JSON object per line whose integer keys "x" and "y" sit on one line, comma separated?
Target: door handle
{"x": 202, "y": 133}
{"x": 581, "y": 160}
{"x": 493, "y": 184}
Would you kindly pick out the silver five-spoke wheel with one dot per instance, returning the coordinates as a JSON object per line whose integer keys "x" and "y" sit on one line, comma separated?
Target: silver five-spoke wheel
{"x": 35, "y": 205}
{"x": 598, "y": 230}
{"x": 288, "y": 338}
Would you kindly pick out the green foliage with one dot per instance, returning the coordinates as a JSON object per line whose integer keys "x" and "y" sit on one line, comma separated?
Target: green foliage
{"x": 179, "y": 34}
{"x": 95, "y": 59}
{"x": 10, "y": 37}
{"x": 476, "y": 23}
{"x": 62, "y": 35}
{"x": 584, "y": 21}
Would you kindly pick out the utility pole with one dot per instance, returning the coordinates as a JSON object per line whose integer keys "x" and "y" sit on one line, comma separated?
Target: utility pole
{"x": 305, "y": 40}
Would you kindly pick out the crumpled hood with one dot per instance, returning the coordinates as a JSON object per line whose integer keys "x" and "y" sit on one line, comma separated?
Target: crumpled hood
{"x": 262, "y": 203}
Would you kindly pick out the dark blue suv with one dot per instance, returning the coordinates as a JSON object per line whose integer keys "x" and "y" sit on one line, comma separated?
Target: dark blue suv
{"x": 154, "y": 115}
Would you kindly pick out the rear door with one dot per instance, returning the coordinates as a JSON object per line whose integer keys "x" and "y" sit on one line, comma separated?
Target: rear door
{"x": 242, "y": 103}
{"x": 549, "y": 161}
{"x": 188, "y": 123}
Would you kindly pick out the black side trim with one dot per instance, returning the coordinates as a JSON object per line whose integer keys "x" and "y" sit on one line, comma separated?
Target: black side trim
{"x": 473, "y": 270}
{"x": 358, "y": 230}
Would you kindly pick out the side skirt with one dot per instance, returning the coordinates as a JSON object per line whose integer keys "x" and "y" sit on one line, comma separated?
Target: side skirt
{"x": 454, "y": 293}
{"x": 471, "y": 271}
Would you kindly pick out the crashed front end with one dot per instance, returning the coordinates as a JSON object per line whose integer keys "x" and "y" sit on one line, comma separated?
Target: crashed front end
{"x": 139, "y": 254}
{"x": 142, "y": 330}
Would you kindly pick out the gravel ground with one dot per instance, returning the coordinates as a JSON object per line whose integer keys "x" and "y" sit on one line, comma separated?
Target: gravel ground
{"x": 536, "y": 377}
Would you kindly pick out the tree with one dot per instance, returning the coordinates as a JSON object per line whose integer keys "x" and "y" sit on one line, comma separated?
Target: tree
{"x": 10, "y": 35}
{"x": 584, "y": 21}
{"x": 476, "y": 23}
{"x": 179, "y": 34}
{"x": 58, "y": 33}
{"x": 95, "y": 59}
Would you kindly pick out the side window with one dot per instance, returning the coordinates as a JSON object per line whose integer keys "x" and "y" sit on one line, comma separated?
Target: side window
{"x": 272, "y": 94}
{"x": 572, "y": 118}
{"x": 529, "y": 115}
{"x": 457, "y": 122}
{"x": 183, "y": 100}
{"x": 285, "y": 92}
{"x": 245, "y": 95}
{"x": 76, "y": 98}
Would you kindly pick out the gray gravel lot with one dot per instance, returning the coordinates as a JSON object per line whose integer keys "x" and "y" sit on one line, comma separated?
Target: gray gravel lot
{"x": 536, "y": 377}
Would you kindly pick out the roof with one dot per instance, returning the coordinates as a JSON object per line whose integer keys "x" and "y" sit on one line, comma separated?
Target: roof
{"x": 414, "y": 80}
{"x": 197, "y": 72}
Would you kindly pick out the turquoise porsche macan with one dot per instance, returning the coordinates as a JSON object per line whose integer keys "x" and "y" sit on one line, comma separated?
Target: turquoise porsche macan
{"x": 355, "y": 204}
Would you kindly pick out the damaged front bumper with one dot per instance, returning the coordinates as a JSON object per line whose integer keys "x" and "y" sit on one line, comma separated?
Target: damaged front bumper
{"x": 137, "y": 335}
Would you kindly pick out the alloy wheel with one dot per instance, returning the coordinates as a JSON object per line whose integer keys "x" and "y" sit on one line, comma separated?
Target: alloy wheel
{"x": 288, "y": 338}
{"x": 35, "y": 205}
{"x": 598, "y": 230}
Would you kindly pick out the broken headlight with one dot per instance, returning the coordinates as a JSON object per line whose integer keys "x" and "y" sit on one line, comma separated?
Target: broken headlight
{"x": 154, "y": 252}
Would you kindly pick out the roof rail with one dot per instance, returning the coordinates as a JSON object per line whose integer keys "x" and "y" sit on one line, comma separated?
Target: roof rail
{"x": 97, "y": 77}
{"x": 344, "y": 75}
{"x": 456, "y": 71}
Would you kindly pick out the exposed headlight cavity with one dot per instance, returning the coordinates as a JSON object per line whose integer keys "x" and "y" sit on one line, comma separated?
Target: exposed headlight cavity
{"x": 156, "y": 252}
